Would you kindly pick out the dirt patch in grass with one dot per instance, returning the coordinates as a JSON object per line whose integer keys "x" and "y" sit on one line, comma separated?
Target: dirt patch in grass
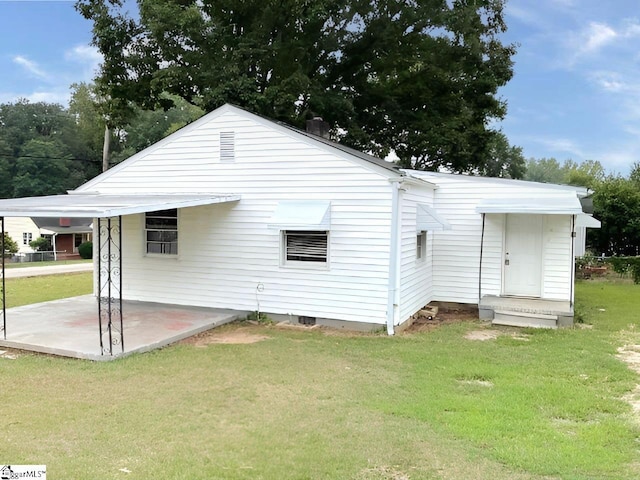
{"x": 446, "y": 315}
{"x": 629, "y": 353}
{"x": 235, "y": 336}
{"x": 482, "y": 335}
{"x": 382, "y": 473}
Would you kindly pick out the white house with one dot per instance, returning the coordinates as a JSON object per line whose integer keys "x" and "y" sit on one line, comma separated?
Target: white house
{"x": 22, "y": 230}
{"x": 239, "y": 212}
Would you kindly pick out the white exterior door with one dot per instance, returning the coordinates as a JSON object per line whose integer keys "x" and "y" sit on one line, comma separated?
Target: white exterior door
{"x": 523, "y": 255}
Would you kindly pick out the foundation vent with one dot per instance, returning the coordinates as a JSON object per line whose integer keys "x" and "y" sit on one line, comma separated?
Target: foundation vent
{"x": 306, "y": 320}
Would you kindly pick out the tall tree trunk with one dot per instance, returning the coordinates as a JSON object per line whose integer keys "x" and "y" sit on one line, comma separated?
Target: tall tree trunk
{"x": 105, "y": 148}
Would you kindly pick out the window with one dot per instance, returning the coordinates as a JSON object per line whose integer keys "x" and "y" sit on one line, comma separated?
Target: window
{"x": 161, "y": 230}
{"x": 309, "y": 247}
{"x": 26, "y": 238}
{"x": 421, "y": 245}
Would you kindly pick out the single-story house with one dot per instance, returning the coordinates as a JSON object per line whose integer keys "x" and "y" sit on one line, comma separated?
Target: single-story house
{"x": 239, "y": 212}
{"x": 65, "y": 234}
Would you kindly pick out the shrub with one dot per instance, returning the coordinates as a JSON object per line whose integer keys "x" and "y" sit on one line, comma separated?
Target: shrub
{"x": 86, "y": 250}
{"x": 10, "y": 247}
{"x": 41, "y": 244}
{"x": 624, "y": 265}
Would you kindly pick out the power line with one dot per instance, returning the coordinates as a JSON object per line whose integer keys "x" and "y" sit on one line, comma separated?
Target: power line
{"x": 38, "y": 157}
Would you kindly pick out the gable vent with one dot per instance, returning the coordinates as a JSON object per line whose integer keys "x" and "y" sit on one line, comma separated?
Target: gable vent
{"x": 227, "y": 146}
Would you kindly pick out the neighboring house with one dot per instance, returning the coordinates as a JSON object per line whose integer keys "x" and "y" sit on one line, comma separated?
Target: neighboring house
{"x": 66, "y": 234}
{"x": 22, "y": 230}
{"x": 239, "y": 212}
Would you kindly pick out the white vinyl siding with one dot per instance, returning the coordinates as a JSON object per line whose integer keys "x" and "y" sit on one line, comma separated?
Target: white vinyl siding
{"x": 557, "y": 260}
{"x": 456, "y": 253}
{"x": 229, "y": 248}
{"x": 415, "y": 274}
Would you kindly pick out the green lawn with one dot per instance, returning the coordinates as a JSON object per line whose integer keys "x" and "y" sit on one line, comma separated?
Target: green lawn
{"x": 45, "y": 264}
{"x": 316, "y": 404}
{"x": 24, "y": 291}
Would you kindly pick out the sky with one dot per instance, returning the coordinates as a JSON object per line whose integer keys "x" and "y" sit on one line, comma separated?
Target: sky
{"x": 575, "y": 93}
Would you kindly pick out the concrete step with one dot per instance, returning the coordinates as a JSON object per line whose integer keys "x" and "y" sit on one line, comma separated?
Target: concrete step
{"x": 524, "y": 319}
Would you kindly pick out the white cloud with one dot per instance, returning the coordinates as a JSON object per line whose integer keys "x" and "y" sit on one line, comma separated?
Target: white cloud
{"x": 562, "y": 145}
{"x": 591, "y": 40}
{"x": 51, "y": 96}
{"x": 30, "y": 66}
{"x": 87, "y": 56}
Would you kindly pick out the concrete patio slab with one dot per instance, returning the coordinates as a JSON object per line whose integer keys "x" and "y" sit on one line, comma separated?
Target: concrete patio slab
{"x": 69, "y": 327}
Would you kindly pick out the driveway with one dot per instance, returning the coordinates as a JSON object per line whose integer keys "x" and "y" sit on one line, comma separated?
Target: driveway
{"x": 48, "y": 270}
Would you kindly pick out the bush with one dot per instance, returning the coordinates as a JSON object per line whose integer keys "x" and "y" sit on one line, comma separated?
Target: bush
{"x": 624, "y": 265}
{"x": 86, "y": 250}
{"x": 10, "y": 247}
{"x": 41, "y": 244}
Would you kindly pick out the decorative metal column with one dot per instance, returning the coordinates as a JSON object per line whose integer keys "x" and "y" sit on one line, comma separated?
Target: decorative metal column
{"x": 3, "y": 324}
{"x": 110, "y": 284}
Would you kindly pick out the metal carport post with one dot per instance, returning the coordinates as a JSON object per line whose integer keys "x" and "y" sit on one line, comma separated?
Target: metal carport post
{"x": 109, "y": 255}
{"x": 3, "y": 326}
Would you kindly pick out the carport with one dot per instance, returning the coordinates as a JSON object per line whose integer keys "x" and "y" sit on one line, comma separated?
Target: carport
{"x": 107, "y": 210}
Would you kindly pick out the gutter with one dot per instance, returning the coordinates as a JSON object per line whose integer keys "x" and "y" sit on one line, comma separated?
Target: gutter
{"x": 393, "y": 298}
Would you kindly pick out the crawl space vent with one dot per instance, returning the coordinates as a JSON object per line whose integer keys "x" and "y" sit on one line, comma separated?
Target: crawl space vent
{"x": 306, "y": 320}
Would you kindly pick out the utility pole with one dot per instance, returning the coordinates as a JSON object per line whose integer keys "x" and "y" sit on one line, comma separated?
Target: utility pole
{"x": 105, "y": 149}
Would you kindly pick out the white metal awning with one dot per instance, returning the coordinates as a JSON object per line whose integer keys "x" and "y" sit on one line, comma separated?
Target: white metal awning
{"x": 584, "y": 220}
{"x": 427, "y": 218}
{"x": 97, "y": 205}
{"x": 567, "y": 204}
{"x": 301, "y": 215}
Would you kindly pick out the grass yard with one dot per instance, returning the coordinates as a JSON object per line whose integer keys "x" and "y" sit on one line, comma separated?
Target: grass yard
{"x": 327, "y": 405}
{"x": 45, "y": 264}
{"x": 24, "y": 291}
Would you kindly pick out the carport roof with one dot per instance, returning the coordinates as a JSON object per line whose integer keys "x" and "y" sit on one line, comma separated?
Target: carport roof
{"x": 98, "y": 205}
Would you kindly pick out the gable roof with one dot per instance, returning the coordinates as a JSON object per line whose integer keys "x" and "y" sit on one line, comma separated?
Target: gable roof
{"x": 383, "y": 167}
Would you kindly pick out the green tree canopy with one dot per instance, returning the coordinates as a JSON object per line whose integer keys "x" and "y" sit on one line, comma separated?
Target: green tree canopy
{"x": 616, "y": 204}
{"x": 589, "y": 173}
{"x": 10, "y": 247}
{"x": 418, "y": 78}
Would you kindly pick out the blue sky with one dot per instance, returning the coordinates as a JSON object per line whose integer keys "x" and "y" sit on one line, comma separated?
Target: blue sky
{"x": 575, "y": 93}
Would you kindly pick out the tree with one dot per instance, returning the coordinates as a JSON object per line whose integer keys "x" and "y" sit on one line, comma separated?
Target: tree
{"x": 6, "y": 171}
{"x": 41, "y": 244}
{"x": 418, "y": 78}
{"x": 10, "y": 247}
{"x": 616, "y": 204}
{"x": 504, "y": 160}
{"x": 589, "y": 173}
{"x": 42, "y": 134}
{"x": 42, "y": 169}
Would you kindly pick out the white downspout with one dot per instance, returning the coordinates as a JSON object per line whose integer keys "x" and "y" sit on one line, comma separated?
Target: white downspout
{"x": 393, "y": 299}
